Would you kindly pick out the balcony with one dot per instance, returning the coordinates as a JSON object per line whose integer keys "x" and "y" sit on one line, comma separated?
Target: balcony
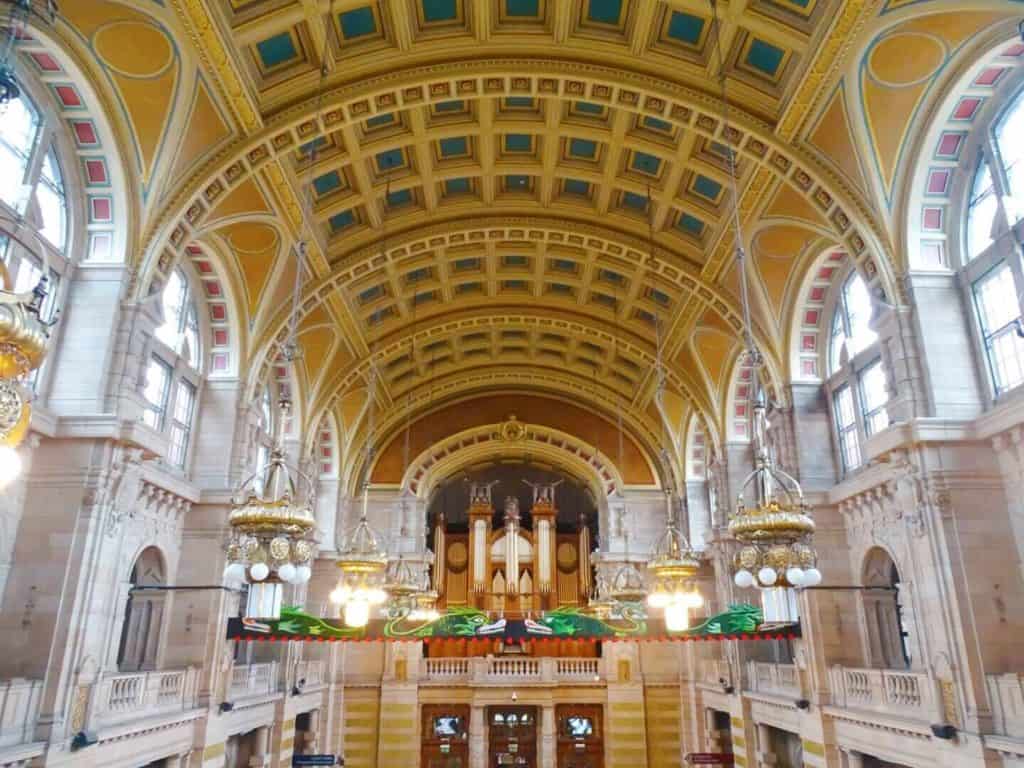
{"x": 503, "y": 671}
{"x": 774, "y": 679}
{"x": 138, "y": 695}
{"x": 907, "y": 695}
{"x": 310, "y": 674}
{"x": 19, "y": 707}
{"x": 250, "y": 681}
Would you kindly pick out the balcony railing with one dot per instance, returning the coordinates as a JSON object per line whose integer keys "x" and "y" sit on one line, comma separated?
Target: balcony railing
{"x": 248, "y": 680}
{"x": 905, "y": 694}
{"x": 490, "y": 671}
{"x": 137, "y": 695}
{"x": 1006, "y": 693}
{"x": 777, "y": 679}
{"x": 715, "y": 672}
{"x": 309, "y": 673}
{"x": 19, "y": 707}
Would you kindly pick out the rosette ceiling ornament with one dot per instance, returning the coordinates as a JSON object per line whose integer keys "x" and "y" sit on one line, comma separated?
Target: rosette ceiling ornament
{"x": 271, "y": 540}
{"x": 24, "y": 339}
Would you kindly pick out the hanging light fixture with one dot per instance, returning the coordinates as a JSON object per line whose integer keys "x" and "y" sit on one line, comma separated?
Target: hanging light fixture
{"x": 271, "y": 542}
{"x": 24, "y": 337}
{"x": 672, "y": 569}
{"x": 776, "y": 531}
{"x": 363, "y": 563}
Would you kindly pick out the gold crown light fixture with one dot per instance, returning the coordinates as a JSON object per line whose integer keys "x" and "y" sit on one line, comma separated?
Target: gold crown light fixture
{"x": 271, "y": 540}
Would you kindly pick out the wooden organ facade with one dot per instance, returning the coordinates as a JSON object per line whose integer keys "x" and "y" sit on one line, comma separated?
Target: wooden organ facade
{"x": 516, "y": 568}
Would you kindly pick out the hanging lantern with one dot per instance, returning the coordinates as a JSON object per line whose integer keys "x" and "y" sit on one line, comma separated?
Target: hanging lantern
{"x": 271, "y": 541}
{"x": 775, "y": 533}
{"x": 363, "y": 565}
{"x": 24, "y": 336}
{"x": 672, "y": 569}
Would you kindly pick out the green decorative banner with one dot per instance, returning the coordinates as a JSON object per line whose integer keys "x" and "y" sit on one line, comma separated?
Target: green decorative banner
{"x": 630, "y": 622}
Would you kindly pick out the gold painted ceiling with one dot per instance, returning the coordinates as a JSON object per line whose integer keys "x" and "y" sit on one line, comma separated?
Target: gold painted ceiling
{"x": 477, "y": 175}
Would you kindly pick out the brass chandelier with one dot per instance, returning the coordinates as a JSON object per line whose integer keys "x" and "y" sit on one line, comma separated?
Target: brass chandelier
{"x": 271, "y": 540}
{"x": 24, "y": 337}
{"x": 362, "y": 563}
{"x": 776, "y": 532}
{"x": 673, "y": 570}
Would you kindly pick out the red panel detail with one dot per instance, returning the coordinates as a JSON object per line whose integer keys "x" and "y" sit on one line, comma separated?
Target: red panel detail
{"x": 212, "y": 288}
{"x": 205, "y": 267}
{"x": 809, "y": 367}
{"x": 966, "y": 109}
{"x": 45, "y": 62}
{"x": 85, "y": 133}
{"x": 825, "y": 273}
{"x": 818, "y": 293}
{"x": 810, "y": 342}
{"x": 68, "y": 96}
{"x": 220, "y": 361}
{"x": 220, "y": 337}
{"x": 990, "y": 76}
{"x": 218, "y": 312}
{"x": 938, "y": 182}
{"x": 811, "y": 317}
{"x": 96, "y": 171}
{"x": 950, "y": 144}
{"x": 101, "y": 209}
{"x": 932, "y": 219}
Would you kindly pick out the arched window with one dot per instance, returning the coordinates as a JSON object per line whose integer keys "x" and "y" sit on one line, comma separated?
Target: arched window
{"x": 851, "y": 329}
{"x": 172, "y": 376}
{"x": 857, "y": 381}
{"x": 991, "y": 261}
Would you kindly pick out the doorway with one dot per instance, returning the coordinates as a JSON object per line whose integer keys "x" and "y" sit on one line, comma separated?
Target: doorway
{"x": 580, "y": 735}
{"x": 445, "y": 742}
{"x": 512, "y": 737}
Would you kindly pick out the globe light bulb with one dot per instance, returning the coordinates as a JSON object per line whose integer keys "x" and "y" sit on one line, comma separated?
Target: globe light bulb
{"x": 744, "y": 579}
{"x": 286, "y": 572}
{"x": 812, "y": 577}
{"x": 767, "y": 576}
{"x": 259, "y": 571}
{"x": 10, "y": 465}
{"x": 693, "y": 599}
{"x": 677, "y": 617}
{"x": 657, "y": 599}
{"x": 234, "y": 573}
{"x": 795, "y": 576}
{"x": 303, "y": 573}
{"x": 338, "y": 595}
{"x": 357, "y": 613}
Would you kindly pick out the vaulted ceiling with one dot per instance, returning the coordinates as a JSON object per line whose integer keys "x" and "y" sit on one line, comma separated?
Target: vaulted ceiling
{"x": 511, "y": 195}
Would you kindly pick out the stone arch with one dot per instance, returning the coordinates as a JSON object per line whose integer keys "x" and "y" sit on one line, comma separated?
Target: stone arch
{"x": 943, "y": 169}
{"x": 885, "y": 616}
{"x": 100, "y": 176}
{"x": 143, "y": 626}
{"x": 810, "y": 324}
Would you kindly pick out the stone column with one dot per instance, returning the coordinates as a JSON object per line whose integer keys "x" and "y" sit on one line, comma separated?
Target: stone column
{"x": 477, "y": 736}
{"x": 260, "y": 747}
{"x": 547, "y": 736}
{"x": 765, "y": 754}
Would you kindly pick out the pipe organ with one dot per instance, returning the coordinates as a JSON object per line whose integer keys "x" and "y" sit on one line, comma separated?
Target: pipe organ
{"x": 521, "y": 564}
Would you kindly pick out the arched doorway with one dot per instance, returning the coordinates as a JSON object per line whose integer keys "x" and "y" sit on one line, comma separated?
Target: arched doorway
{"x": 886, "y": 614}
{"x": 139, "y": 648}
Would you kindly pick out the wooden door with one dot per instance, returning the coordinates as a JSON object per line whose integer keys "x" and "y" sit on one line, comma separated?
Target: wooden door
{"x": 512, "y": 737}
{"x": 445, "y": 739}
{"x": 580, "y": 729}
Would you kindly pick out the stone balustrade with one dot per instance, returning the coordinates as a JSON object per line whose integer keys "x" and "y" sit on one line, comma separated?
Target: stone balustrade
{"x": 910, "y": 695}
{"x": 776, "y": 679}
{"x": 715, "y": 672}
{"x": 1006, "y": 693}
{"x": 249, "y": 680}
{"x": 309, "y": 673}
{"x": 19, "y": 707}
{"x": 501, "y": 671}
{"x": 135, "y": 695}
